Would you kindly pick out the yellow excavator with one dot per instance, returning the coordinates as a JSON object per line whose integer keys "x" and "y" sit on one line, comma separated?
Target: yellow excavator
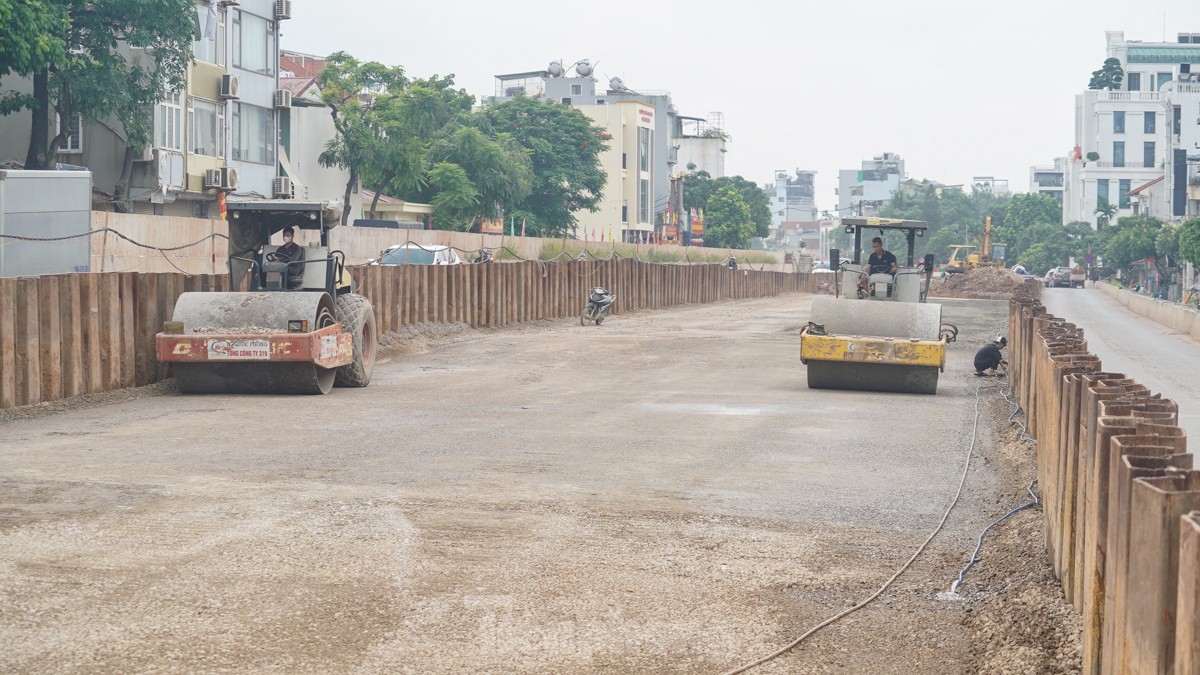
{"x": 990, "y": 254}
{"x": 883, "y": 337}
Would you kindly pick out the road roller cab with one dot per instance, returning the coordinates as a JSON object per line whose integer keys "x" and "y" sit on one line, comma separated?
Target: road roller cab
{"x": 291, "y": 325}
{"x": 880, "y": 335}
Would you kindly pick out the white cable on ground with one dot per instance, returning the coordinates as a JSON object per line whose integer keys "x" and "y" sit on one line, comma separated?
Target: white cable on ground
{"x": 1025, "y": 438}
{"x": 833, "y": 619}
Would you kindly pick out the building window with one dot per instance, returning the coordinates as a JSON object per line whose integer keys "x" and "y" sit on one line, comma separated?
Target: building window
{"x": 253, "y": 134}
{"x": 566, "y": 101}
{"x": 643, "y": 138}
{"x": 624, "y": 160}
{"x": 73, "y": 144}
{"x": 1102, "y": 192}
{"x": 168, "y": 122}
{"x": 1150, "y": 122}
{"x": 1119, "y": 122}
{"x": 1163, "y": 78}
{"x": 1148, "y": 154}
{"x": 210, "y": 50}
{"x": 577, "y": 90}
{"x": 206, "y": 128}
{"x": 253, "y": 43}
{"x": 781, "y": 200}
{"x": 1135, "y": 82}
{"x": 1123, "y": 188}
{"x": 624, "y": 213}
{"x": 1118, "y": 153}
{"x": 644, "y": 200}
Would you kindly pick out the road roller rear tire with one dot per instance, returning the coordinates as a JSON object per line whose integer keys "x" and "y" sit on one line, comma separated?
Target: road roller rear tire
{"x": 886, "y": 377}
{"x": 357, "y": 317}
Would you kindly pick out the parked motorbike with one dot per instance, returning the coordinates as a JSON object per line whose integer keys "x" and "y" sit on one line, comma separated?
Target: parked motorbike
{"x": 599, "y": 303}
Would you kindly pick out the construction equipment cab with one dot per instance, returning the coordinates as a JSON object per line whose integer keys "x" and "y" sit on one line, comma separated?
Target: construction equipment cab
{"x": 882, "y": 335}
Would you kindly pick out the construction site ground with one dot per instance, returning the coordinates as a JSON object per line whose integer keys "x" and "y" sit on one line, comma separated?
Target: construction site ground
{"x": 659, "y": 494}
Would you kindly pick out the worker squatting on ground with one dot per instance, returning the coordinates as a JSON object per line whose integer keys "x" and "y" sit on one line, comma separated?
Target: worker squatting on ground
{"x": 880, "y": 262}
{"x": 989, "y": 358}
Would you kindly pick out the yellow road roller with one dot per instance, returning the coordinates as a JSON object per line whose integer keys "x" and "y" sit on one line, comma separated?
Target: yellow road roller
{"x": 877, "y": 333}
{"x": 293, "y": 323}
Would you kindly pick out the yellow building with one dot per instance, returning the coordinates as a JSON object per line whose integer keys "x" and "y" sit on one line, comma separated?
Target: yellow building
{"x": 627, "y": 209}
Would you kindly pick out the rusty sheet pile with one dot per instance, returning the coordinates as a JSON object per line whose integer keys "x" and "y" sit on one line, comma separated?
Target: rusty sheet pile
{"x": 1122, "y": 499}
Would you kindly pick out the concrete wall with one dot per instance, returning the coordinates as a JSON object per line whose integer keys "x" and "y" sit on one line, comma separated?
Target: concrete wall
{"x": 1174, "y": 316}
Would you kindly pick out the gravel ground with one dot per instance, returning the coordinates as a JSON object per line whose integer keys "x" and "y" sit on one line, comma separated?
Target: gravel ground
{"x": 659, "y": 494}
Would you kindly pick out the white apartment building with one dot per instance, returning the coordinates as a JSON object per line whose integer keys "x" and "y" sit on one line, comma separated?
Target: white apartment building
{"x": 865, "y": 191}
{"x": 792, "y": 197}
{"x": 1147, "y": 131}
{"x": 1049, "y": 180}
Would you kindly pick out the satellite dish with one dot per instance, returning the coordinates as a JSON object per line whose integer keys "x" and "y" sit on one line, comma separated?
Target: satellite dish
{"x": 555, "y": 69}
{"x": 583, "y": 68}
{"x": 616, "y": 84}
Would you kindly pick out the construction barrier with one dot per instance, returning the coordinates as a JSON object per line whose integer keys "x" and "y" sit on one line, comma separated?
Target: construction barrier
{"x": 1116, "y": 482}
{"x": 70, "y": 334}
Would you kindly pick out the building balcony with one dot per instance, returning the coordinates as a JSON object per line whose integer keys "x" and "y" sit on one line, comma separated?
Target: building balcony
{"x": 1150, "y": 96}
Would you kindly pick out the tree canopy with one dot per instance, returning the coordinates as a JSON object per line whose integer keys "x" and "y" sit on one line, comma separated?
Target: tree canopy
{"x": 73, "y": 51}
{"x": 727, "y": 219}
{"x": 564, "y": 148}
{"x": 1110, "y": 76}
{"x": 699, "y": 187}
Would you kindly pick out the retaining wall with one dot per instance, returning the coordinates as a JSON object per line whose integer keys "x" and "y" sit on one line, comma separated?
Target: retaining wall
{"x": 110, "y": 253}
{"x": 1118, "y": 486}
{"x": 1173, "y": 315}
{"x": 71, "y": 334}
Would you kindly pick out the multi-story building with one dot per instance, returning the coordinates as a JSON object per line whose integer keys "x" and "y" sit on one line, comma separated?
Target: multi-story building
{"x": 793, "y": 198}
{"x": 865, "y": 191}
{"x": 1049, "y": 180}
{"x": 1147, "y": 130}
{"x": 646, "y": 129}
{"x": 701, "y": 143}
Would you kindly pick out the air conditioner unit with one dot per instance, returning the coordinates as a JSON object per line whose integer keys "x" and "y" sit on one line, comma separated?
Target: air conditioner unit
{"x": 283, "y": 188}
{"x": 283, "y": 98}
{"x": 283, "y": 9}
{"x": 212, "y": 179}
{"x": 230, "y": 179}
{"x": 146, "y": 155}
{"x": 230, "y": 84}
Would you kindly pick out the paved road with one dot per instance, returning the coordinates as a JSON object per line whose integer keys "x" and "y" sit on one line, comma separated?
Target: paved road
{"x": 1164, "y": 360}
{"x": 662, "y": 493}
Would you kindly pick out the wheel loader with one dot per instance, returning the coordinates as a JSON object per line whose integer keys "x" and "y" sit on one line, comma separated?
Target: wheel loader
{"x": 287, "y": 327}
{"x": 881, "y": 335}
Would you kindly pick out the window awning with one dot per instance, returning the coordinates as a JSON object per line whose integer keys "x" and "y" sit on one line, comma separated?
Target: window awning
{"x": 1180, "y": 54}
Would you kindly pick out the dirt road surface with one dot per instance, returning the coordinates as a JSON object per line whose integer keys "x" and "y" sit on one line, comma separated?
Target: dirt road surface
{"x": 660, "y": 494}
{"x": 1159, "y": 357}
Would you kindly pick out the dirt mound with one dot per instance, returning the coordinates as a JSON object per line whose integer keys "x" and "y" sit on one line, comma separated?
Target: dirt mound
{"x": 985, "y": 283}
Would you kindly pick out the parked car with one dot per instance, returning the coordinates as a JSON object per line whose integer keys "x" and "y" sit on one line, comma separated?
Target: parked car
{"x": 417, "y": 254}
{"x": 1058, "y": 277}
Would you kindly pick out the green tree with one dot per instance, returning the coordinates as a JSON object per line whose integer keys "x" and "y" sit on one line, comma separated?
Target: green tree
{"x": 1042, "y": 256}
{"x": 499, "y": 168}
{"x": 1110, "y": 76}
{"x": 33, "y": 36}
{"x": 1106, "y": 211}
{"x": 564, "y": 150}
{"x": 1129, "y": 244}
{"x": 1189, "y": 241}
{"x": 699, "y": 186}
{"x": 410, "y": 121}
{"x": 360, "y": 97}
{"x": 456, "y": 201}
{"x": 76, "y": 61}
{"x": 727, "y": 219}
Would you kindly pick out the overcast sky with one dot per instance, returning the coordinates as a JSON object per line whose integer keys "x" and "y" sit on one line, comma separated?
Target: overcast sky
{"x": 958, "y": 88}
